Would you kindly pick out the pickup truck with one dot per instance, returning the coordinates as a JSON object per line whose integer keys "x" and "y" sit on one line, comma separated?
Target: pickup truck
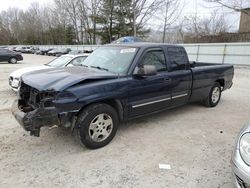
{"x": 116, "y": 83}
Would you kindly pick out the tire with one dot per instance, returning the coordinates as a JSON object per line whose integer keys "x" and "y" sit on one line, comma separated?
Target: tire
{"x": 13, "y": 60}
{"x": 214, "y": 96}
{"x": 96, "y": 125}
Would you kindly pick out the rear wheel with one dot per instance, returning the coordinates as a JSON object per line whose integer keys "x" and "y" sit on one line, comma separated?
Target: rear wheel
{"x": 96, "y": 125}
{"x": 13, "y": 60}
{"x": 214, "y": 96}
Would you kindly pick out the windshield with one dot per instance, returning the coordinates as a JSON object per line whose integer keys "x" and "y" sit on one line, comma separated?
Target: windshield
{"x": 113, "y": 59}
{"x": 60, "y": 61}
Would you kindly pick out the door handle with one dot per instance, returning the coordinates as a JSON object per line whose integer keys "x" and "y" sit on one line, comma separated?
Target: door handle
{"x": 167, "y": 79}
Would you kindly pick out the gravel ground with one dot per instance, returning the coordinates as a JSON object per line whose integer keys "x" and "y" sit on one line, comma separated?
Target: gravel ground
{"x": 196, "y": 141}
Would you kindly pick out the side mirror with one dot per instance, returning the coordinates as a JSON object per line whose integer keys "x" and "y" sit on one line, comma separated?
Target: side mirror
{"x": 146, "y": 70}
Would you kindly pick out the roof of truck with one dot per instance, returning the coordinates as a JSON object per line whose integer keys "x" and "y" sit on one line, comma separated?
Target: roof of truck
{"x": 142, "y": 44}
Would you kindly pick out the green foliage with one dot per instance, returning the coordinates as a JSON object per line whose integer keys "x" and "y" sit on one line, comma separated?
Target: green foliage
{"x": 115, "y": 20}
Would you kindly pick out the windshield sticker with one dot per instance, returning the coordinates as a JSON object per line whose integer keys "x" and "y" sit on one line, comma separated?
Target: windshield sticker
{"x": 128, "y": 50}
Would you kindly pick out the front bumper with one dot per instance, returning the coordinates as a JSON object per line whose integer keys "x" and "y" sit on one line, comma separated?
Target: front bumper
{"x": 32, "y": 121}
{"x": 241, "y": 171}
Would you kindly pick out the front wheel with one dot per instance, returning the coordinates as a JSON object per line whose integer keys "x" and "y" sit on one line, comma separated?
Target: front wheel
{"x": 214, "y": 96}
{"x": 96, "y": 125}
{"x": 13, "y": 60}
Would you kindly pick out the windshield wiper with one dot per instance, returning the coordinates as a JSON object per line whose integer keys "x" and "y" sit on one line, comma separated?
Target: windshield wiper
{"x": 100, "y": 68}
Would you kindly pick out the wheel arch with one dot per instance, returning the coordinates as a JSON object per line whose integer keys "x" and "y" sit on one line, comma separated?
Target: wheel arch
{"x": 221, "y": 81}
{"x": 115, "y": 103}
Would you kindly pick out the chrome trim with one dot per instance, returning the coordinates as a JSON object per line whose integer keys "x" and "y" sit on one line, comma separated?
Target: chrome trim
{"x": 152, "y": 102}
{"x": 178, "y": 96}
{"x": 161, "y": 100}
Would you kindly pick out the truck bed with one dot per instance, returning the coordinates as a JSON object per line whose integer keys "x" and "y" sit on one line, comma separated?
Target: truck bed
{"x": 205, "y": 74}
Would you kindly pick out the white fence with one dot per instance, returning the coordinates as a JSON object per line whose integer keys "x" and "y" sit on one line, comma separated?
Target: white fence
{"x": 232, "y": 53}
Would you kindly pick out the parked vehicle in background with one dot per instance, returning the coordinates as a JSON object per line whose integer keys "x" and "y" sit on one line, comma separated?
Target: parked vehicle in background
{"x": 20, "y": 49}
{"x": 3, "y": 47}
{"x": 45, "y": 51}
{"x": 241, "y": 159}
{"x": 63, "y": 61}
{"x": 10, "y": 56}
{"x": 75, "y": 52}
{"x": 38, "y": 51}
{"x": 62, "y": 51}
{"x": 127, "y": 39}
{"x": 33, "y": 50}
{"x": 28, "y": 50}
{"x": 12, "y": 48}
{"x": 53, "y": 52}
{"x": 116, "y": 83}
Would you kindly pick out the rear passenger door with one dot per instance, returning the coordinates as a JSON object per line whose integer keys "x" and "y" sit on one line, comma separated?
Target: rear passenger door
{"x": 180, "y": 75}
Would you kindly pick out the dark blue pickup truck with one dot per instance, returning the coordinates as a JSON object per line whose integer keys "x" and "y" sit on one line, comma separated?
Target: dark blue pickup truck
{"x": 116, "y": 83}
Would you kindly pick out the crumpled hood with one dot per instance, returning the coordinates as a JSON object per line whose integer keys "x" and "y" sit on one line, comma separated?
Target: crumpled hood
{"x": 19, "y": 72}
{"x": 59, "y": 79}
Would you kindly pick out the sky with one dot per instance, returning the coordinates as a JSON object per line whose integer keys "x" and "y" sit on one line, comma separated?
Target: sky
{"x": 22, "y": 4}
{"x": 189, "y": 8}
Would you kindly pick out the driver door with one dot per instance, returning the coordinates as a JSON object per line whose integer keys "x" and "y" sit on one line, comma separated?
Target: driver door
{"x": 150, "y": 93}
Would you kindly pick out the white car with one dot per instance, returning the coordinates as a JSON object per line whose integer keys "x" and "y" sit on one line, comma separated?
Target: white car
{"x": 63, "y": 61}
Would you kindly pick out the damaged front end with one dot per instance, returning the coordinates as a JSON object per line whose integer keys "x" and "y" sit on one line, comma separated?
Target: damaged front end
{"x": 35, "y": 109}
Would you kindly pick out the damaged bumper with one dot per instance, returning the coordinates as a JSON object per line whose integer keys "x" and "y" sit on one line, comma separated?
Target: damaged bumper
{"x": 32, "y": 121}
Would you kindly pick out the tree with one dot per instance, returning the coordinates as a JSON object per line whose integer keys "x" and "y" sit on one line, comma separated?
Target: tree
{"x": 86, "y": 20}
{"x": 71, "y": 10}
{"x": 143, "y": 10}
{"x": 89, "y": 11}
{"x": 168, "y": 14}
{"x": 236, "y": 5}
{"x": 196, "y": 27}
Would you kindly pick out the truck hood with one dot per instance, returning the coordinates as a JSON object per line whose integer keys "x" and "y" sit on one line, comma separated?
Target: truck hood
{"x": 59, "y": 79}
{"x": 19, "y": 72}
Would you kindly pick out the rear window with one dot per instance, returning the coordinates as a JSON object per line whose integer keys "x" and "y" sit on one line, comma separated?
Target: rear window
{"x": 177, "y": 58}
{"x": 4, "y": 51}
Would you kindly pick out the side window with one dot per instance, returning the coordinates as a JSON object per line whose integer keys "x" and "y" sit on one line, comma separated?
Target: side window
{"x": 77, "y": 61}
{"x": 177, "y": 58}
{"x": 155, "y": 58}
{"x": 3, "y": 51}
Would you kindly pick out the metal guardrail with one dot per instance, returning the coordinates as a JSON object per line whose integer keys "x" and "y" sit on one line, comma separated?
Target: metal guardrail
{"x": 231, "y": 53}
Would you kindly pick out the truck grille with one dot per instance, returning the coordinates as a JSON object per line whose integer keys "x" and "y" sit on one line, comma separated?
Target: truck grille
{"x": 35, "y": 98}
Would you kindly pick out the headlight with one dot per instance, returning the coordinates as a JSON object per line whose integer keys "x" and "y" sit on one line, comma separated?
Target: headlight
{"x": 245, "y": 148}
{"x": 15, "y": 82}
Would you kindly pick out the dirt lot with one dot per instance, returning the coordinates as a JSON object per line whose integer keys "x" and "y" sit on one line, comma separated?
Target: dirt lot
{"x": 196, "y": 141}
